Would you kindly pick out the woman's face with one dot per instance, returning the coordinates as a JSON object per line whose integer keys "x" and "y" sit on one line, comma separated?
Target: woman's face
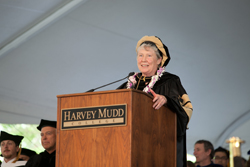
{"x": 147, "y": 61}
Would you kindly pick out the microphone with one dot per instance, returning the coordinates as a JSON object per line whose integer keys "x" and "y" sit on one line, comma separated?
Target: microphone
{"x": 131, "y": 73}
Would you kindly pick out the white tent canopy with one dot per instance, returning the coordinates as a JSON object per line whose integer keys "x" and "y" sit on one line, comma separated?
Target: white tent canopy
{"x": 54, "y": 47}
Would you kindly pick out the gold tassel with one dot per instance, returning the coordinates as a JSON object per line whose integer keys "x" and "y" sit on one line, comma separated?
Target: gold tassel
{"x": 18, "y": 155}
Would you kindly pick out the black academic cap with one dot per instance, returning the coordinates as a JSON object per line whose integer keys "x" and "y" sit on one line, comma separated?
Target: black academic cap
{"x": 44, "y": 123}
{"x": 6, "y": 136}
{"x": 220, "y": 149}
{"x": 27, "y": 152}
{"x": 248, "y": 152}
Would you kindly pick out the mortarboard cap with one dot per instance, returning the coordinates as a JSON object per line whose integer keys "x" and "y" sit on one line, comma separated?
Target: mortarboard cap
{"x": 44, "y": 123}
{"x": 6, "y": 136}
{"x": 27, "y": 152}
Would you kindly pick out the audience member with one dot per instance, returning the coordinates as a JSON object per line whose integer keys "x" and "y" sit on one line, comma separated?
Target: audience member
{"x": 221, "y": 156}
{"x": 26, "y": 154}
{"x": 248, "y": 162}
{"x": 196, "y": 163}
{"x": 10, "y": 150}
{"x": 190, "y": 164}
{"x": 48, "y": 140}
{"x": 204, "y": 152}
{"x": 244, "y": 161}
{"x": 239, "y": 161}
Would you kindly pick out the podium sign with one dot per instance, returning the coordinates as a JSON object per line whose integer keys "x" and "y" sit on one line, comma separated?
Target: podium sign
{"x": 93, "y": 117}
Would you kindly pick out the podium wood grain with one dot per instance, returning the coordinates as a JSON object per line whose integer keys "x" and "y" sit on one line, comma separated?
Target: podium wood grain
{"x": 148, "y": 139}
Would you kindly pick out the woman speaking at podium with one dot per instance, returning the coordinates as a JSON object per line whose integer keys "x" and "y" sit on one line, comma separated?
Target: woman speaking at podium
{"x": 166, "y": 88}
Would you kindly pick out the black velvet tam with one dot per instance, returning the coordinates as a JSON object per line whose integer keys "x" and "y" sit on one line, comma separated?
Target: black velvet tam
{"x": 44, "y": 123}
{"x": 28, "y": 152}
{"x": 6, "y": 136}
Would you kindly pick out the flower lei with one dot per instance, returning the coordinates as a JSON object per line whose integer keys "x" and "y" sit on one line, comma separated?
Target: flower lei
{"x": 154, "y": 79}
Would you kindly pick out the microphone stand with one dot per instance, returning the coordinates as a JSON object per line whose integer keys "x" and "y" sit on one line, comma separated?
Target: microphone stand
{"x": 92, "y": 90}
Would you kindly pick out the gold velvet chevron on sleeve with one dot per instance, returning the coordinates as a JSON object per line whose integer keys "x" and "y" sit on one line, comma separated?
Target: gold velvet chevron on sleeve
{"x": 187, "y": 105}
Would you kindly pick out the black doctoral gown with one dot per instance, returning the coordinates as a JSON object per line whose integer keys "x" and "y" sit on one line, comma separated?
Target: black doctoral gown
{"x": 43, "y": 159}
{"x": 170, "y": 86}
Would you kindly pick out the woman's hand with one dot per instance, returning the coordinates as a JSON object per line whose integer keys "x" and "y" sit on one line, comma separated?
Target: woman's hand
{"x": 159, "y": 100}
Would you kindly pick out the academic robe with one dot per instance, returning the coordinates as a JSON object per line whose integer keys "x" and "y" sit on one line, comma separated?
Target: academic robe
{"x": 170, "y": 86}
{"x": 43, "y": 159}
{"x": 19, "y": 163}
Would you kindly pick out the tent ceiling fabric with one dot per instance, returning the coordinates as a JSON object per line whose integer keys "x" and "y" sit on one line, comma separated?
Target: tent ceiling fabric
{"x": 94, "y": 44}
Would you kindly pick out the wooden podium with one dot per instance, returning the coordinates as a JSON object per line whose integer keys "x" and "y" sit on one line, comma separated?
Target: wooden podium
{"x": 147, "y": 139}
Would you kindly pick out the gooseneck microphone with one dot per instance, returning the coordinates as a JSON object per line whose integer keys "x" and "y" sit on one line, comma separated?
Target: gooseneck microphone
{"x": 131, "y": 73}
